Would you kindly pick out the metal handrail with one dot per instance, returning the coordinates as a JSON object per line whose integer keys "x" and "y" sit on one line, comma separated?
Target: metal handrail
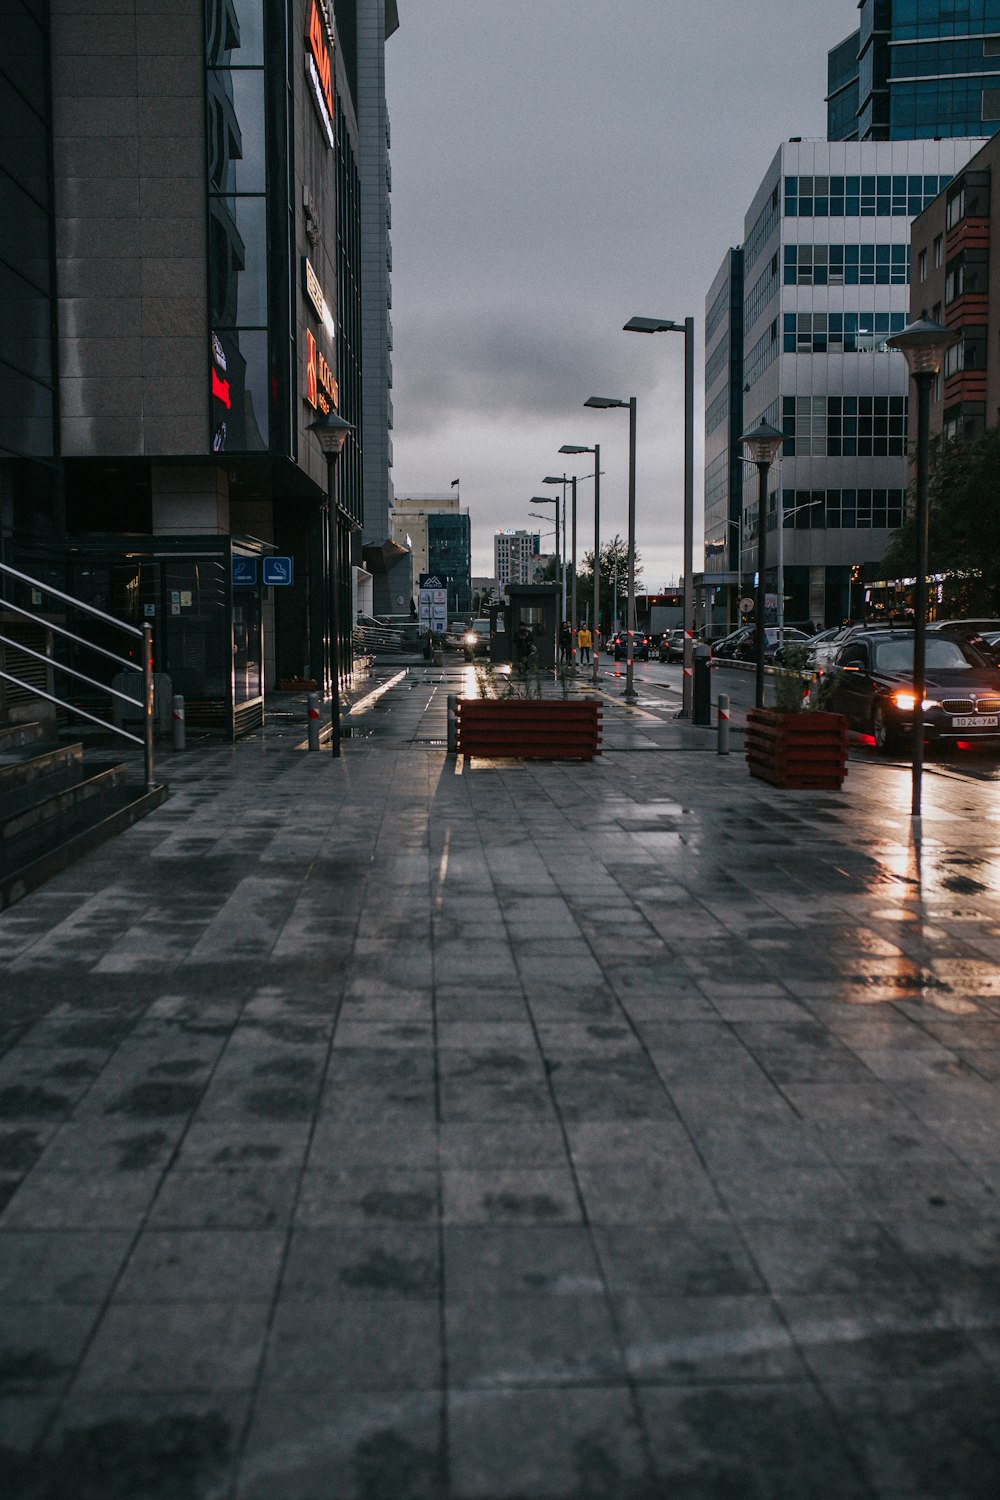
{"x": 123, "y": 661}
{"x": 89, "y": 609}
{"x": 70, "y": 671}
{"x": 145, "y": 634}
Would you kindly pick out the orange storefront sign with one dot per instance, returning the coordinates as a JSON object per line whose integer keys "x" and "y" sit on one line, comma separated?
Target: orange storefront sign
{"x": 320, "y": 53}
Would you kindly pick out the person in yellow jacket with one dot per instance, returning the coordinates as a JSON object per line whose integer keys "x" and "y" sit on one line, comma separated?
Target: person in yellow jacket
{"x": 584, "y": 641}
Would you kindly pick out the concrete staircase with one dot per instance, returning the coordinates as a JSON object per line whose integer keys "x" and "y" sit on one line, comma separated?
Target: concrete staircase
{"x": 54, "y": 808}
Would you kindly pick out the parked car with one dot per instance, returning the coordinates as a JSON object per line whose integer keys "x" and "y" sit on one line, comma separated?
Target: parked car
{"x": 824, "y": 645}
{"x": 871, "y": 684}
{"x": 742, "y": 644}
{"x": 672, "y": 645}
{"x": 640, "y": 645}
{"x": 976, "y": 632}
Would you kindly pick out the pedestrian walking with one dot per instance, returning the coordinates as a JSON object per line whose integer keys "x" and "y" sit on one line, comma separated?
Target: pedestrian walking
{"x": 584, "y": 640}
{"x": 565, "y": 644}
{"x": 524, "y": 647}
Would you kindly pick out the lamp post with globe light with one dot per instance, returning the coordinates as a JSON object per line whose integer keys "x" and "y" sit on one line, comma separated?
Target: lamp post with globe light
{"x": 332, "y": 432}
{"x": 763, "y": 442}
{"x": 923, "y": 344}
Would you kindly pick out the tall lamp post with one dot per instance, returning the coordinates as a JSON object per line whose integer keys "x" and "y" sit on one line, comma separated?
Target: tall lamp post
{"x": 564, "y": 480}
{"x": 560, "y": 565}
{"x": 603, "y": 403}
{"x": 763, "y": 441}
{"x": 922, "y": 344}
{"x": 669, "y": 325}
{"x": 596, "y": 451}
{"x": 331, "y": 432}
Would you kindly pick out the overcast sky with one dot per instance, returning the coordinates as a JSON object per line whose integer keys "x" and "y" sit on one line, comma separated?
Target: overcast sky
{"x": 558, "y": 165}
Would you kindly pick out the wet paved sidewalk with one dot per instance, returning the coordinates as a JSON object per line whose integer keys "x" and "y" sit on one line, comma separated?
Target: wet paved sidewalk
{"x": 401, "y": 1129}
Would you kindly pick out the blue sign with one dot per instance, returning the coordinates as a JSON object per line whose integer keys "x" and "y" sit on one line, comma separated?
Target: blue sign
{"x": 277, "y": 571}
{"x": 244, "y": 571}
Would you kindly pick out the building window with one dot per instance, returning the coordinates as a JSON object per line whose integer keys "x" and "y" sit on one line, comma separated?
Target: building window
{"x": 847, "y": 265}
{"x": 844, "y": 426}
{"x": 938, "y": 250}
{"x": 845, "y": 509}
{"x": 860, "y": 197}
{"x": 922, "y": 266}
{"x": 849, "y": 333}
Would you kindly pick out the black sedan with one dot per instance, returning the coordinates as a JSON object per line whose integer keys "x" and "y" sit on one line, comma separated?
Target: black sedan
{"x": 640, "y": 645}
{"x": 871, "y": 684}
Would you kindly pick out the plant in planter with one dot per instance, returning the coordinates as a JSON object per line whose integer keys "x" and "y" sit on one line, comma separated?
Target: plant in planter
{"x": 796, "y": 744}
{"x": 512, "y": 718}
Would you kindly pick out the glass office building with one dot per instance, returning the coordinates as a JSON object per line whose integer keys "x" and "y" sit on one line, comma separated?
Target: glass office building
{"x": 916, "y": 70}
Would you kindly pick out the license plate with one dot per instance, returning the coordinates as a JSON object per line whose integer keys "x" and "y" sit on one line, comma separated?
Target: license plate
{"x": 974, "y": 721}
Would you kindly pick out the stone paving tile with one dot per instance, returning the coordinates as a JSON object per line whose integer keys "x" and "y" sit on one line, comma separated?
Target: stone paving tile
{"x": 176, "y": 1346}
{"x": 354, "y": 1445}
{"x": 354, "y": 1344}
{"x": 717, "y": 1441}
{"x": 549, "y": 1443}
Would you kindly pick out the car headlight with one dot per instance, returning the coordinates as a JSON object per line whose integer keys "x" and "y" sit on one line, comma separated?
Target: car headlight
{"x": 908, "y": 702}
{"x": 470, "y": 639}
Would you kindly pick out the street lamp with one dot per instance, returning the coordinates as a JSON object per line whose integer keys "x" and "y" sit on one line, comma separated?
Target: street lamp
{"x": 763, "y": 441}
{"x": 331, "y": 432}
{"x": 596, "y": 451}
{"x": 563, "y": 479}
{"x": 603, "y": 403}
{"x": 923, "y": 346}
{"x": 669, "y": 325}
{"x": 554, "y": 500}
{"x": 784, "y": 516}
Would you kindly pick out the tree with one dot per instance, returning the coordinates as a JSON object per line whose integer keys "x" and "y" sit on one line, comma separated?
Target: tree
{"x": 964, "y": 520}
{"x": 614, "y": 554}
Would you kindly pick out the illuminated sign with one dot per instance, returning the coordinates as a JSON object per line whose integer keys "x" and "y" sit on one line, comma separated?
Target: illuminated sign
{"x": 319, "y": 67}
{"x": 322, "y": 391}
{"x": 220, "y": 389}
{"x": 313, "y": 290}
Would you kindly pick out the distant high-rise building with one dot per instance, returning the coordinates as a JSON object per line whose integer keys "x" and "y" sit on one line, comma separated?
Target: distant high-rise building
{"x": 439, "y": 535}
{"x": 916, "y": 70}
{"x": 515, "y": 555}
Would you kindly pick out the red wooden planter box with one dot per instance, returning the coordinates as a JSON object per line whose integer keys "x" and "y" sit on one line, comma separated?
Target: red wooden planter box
{"x": 495, "y": 728}
{"x": 799, "y": 751}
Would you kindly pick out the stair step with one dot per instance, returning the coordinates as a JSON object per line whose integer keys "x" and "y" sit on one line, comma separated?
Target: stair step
{"x": 30, "y": 858}
{"x": 13, "y": 735}
{"x": 54, "y": 796}
{"x": 28, "y": 764}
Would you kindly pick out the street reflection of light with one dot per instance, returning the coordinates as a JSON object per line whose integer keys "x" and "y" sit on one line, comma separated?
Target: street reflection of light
{"x": 470, "y": 686}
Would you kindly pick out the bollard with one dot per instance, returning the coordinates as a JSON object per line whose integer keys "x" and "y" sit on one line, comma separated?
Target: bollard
{"x": 312, "y": 708}
{"x": 701, "y": 708}
{"x": 723, "y": 723}
{"x": 178, "y": 720}
{"x": 452, "y": 723}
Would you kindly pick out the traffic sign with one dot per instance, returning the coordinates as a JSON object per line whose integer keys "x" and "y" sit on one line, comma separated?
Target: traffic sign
{"x": 746, "y": 606}
{"x": 244, "y": 571}
{"x": 277, "y": 572}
